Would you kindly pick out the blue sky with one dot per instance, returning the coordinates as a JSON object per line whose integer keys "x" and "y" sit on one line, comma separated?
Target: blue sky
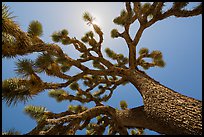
{"x": 179, "y": 39}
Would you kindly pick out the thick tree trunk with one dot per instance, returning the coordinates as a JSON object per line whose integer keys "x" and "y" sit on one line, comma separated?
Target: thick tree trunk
{"x": 165, "y": 111}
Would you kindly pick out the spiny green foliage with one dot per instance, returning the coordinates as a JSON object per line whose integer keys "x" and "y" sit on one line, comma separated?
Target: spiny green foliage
{"x": 55, "y": 37}
{"x": 111, "y": 53}
{"x": 35, "y": 28}
{"x": 61, "y": 36}
{"x": 123, "y": 104}
{"x": 57, "y": 94}
{"x": 144, "y": 51}
{"x": 77, "y": 108}
{"x": 35, "y": 112}
{"x": 120, "y": 20}
{"x": 145, "y": 7}
{"x": 157, "y": 58}
{"x": 25, "y": 67}
{"x": 74, "y": 86}
{"x": 89, "y": 35}
{"x": 87, "y": 17}
{"x": 64, "y": 32}
{"x": 15, "y": 90}
{"x": 64, "y": 64}
{"x": 133, "y": 132}
{"x": 119, "y": 57}
{"x": 6, "y": 14}
{"x": 114, "y": 33}
{"x": 43, "y": 61}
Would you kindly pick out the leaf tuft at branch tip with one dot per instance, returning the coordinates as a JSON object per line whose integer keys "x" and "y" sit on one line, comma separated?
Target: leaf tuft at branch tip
{"x": 74, "y": 86}
{"x": 64, "y": 32}
{"x": 123, "y": 104}
{"x": 114, "y": 33}
{"x": 15, "y": 90}
{"x": 144, "y": 51}
{"x": 35, "y": 28}
{"x": 87, "y": 17}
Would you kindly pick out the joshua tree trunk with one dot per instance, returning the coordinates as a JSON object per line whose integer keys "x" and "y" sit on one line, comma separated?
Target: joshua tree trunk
{"x": 165, "y": 111}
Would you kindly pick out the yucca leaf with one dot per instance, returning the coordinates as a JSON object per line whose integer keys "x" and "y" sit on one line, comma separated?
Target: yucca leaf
{"x": 64, "y": 32}
{"x": 57, "y": 94}
{"x": 87, "y": 17}
{"x": 35, "y": 28}
{"x": 15, "y": 90}
{"x": 114, "y": 33}
{"x": 160, "y": 63}
{"x": 56, "y": 37}
{"x": 35, "y": 112}
{"x": 123, "y": 104}
{"x": 6, "y": 14}
{"x": 156, "y": 54}
{"x": 25, "y": 67}
{"x": 74, "y": 86}
{"x": 144, "y": 51}
{"x": 66, "y": 41}
{"x": 43, "y": 61}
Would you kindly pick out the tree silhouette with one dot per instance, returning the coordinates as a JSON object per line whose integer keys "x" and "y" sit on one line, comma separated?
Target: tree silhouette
{"x": 165, "y": 110}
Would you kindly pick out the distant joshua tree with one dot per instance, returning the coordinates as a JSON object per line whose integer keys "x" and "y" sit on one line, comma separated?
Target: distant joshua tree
{"x": 164, "y": 111}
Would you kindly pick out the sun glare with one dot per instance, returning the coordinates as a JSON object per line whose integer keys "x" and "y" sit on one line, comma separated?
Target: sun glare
{"x": 96, "y": 21}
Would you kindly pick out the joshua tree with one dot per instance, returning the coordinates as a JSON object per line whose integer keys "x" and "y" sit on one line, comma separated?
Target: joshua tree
{"x": 164, "y": 111}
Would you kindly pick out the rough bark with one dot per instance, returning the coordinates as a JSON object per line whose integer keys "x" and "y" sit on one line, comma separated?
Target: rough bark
{"x": 165, "y": 111}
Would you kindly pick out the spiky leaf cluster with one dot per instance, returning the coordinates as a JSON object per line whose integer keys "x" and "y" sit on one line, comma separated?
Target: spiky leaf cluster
{"x": 64, "y": 32}
{"x": 89, "y": 35}
{"x": 120, "y": 20}
{"x": 35, "y": 112}
{"x": 43, "y": 61}
{"x": 87, "y": 17}
{"x": 15, "y": 90}
{"x": 6, "y": 14}
{"x": 77, "y": 108}
{"x": 64, "y": 64}
{"x": 57, "y": 94}
{"x": 157, "y": 58}
{"x": 74, "y": 86}
{"x": 25, "y": 67}
{"x": 114, "y": 33}
{"x": 145, "y": 7}
{"x": 111, "y": 53}
{"x": 122, "y": 61}
{"x": 123, "y": 104}
{"x": 61, "y": 36}
{"x": 133, "y": 132}
{"x": 35, "y": 28}
{"x": 144, "y": 51}
{"x": 155, "y": 55}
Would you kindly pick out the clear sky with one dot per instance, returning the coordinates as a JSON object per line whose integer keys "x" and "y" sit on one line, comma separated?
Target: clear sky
{"x": 179, "y": 39}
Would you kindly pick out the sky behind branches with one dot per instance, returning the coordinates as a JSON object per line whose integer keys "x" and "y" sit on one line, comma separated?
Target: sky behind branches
{"x": 179, "y": 39}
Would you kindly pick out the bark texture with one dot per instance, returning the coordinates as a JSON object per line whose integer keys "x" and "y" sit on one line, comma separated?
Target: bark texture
{"x": 165, "y": 111}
